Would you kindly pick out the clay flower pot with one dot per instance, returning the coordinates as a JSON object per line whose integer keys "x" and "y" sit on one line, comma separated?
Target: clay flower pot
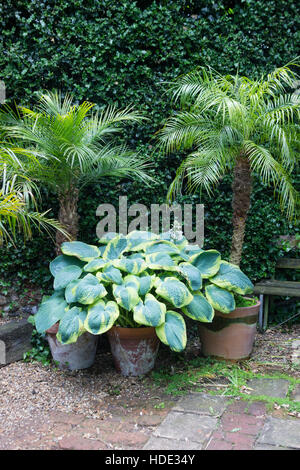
{"x": 134, "y": 350}
{"x": 230, "y": 336}
{"x": 79, "y": 355}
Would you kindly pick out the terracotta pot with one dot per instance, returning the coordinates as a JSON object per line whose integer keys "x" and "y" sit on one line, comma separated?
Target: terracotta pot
{"x": 134, "y": 350}
{"x": 230, "y": 336}
{"x": 79, "y": 355}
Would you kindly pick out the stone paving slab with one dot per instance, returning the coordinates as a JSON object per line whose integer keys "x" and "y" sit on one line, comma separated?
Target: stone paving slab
{"x": 162, "y": 443}
{"x": 281, "y": 432}
{"x": 295, "y": 395}
{"x": 186, "y": 426}
{"x": 201, "y": 403}
{"x": 277, "y": 388}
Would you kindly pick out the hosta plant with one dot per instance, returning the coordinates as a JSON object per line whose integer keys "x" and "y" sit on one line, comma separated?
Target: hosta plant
{"x": 142, "y": 279}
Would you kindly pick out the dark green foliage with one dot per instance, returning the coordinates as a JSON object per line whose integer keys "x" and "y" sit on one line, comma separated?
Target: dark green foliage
{"x": 120, "y": 52}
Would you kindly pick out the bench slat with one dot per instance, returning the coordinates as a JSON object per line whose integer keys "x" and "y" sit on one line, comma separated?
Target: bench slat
{"x": 273, "y": 287}
{"x": 288, "y": 263}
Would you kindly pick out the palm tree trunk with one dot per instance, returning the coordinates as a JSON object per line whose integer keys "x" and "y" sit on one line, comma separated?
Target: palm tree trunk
{"x": 241, "y": 188}
{"x": 67, "y": 216}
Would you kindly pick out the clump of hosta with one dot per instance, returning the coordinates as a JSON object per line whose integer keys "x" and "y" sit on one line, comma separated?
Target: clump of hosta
{"x": 141, "y": 279}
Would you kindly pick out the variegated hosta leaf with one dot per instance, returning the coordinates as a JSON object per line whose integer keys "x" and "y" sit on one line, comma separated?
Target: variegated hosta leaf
{"x": 115, "y": 247}
{"x": 136, "y": 256}
{"x": 220, "y": 299}
{"x": 192, "y": 274}
{"x": 65, "y": 276}
{"x": 175, "y": 292}
{"x": 162, "y": 246}
{"x": 70, "y": 291}
{"x": 173, "y": 331}
{"x": 199, "y": 309}
{"x": 131, "y": 266}
{"x": 230, "y": 277}
{"x": 192, "y": 250}
{"x": 132, "y": 281}
{"x": 126, "y": 296}
{"x": 138, "y": 240}
{"x": 71, "y": 325}
{"x": 107, "y": 237}
{"x": 150, "y": 313}
{"x": 110, "y": 274}
{"x": 146, "y": 284}
{"x": 161, "y": 261}
{"x": 80, "y": 250}
{"x": 62, "y": 261}
{"x": 101, "y": 317}
{"x": 50, "y": 311}
{"x": 208, "y": 262}
{"x": 94, "y": 265}
{"x": 89, "y": 290}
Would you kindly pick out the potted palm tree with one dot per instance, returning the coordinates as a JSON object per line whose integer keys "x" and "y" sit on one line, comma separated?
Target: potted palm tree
{"x": 72, "y": 147}
{"x": 137, "y": 289}
{"x": 233, "y": 123}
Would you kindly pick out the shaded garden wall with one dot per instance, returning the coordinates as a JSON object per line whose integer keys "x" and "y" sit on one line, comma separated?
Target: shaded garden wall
{"x": 121, "y": 52}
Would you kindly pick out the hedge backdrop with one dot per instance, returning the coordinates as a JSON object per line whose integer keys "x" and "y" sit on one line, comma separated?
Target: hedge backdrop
{"x": 121, "y": 52}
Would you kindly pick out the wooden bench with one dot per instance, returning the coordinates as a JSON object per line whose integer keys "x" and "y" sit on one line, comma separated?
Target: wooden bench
{"x": 266, "y": 289}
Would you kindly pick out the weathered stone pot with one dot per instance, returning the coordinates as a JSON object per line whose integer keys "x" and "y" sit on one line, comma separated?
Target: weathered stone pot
{"x": 230, "y": 336}
{"x": 79, "y": 355}
{"x": 134, "y": 350}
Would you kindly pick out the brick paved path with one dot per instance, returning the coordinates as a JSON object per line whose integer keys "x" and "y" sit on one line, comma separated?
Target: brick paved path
{"x": 197, "y": 422}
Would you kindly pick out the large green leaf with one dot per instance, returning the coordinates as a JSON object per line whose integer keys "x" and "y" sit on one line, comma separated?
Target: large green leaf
{"x": 161, "y": 261}
{"x": 173, "y": 331}
{"x": 126, "y": 296}
{"x": 65, "y": 275}
{"x": 130, "y": 266}
{"x": 174, "y": 291}
{"x": 230, "y": 277}
{"x": 192, "y": 274}
{"x": 101, "y": 317}
{"x": 71, "y": 325}
{"x": 50, "y": 311}
{"x": 146, "y": 284}
{"x": 151, "y": 312}
{"x": 89, "y": 290}
{"x": 115, "y": 247}
{"x": 199, "y": 309}
{"x": 138, "y": 240}
{"x": 220, "y": 299}
{"x": 94, "y": 265}
{"x": 110, "y": 274}
{"x": 208, "y": 262}
{"x": 107, "y": 237}
{"x": 80, "y": 250}
{"x": 70, "y": 291}
{"x": 162, "y": 246}
{"x": 62, "y": 261}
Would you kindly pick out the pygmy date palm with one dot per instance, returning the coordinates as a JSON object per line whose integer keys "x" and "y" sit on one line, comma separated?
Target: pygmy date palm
{"x": 233, "y": 123}
{"x": 18, "y": 208}
{"x": 73, "y": 147}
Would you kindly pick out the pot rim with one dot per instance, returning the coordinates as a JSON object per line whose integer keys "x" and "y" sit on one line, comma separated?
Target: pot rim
{"x": 132, "y": 332}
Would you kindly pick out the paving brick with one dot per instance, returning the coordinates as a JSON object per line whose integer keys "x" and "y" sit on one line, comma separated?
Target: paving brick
{"x": 80, "y": 443}
{"x": 69, "y": 418}
{"x": 243, "y": 423}
{"x": 239, "y": 440}
{"x": 120, "y": 439}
